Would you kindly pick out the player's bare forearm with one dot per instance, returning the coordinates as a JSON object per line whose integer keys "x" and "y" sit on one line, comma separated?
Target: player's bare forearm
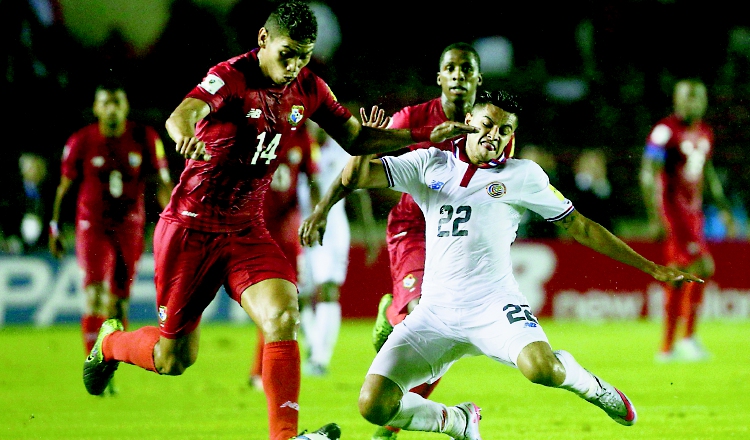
{"x": 181, "y": 128}
{"x": 598, "y": 238}
{"x": 364, "y": 172}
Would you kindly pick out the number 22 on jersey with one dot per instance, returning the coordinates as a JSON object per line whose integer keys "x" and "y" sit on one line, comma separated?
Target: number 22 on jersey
{"x": 267, "y": 152}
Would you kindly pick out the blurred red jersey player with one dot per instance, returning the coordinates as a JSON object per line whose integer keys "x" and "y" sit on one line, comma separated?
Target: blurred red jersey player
{"x": 111, "y": 161}
{"x": 676, "y": 166}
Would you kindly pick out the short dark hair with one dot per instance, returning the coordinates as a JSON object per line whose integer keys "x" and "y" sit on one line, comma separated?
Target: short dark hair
{"x": 294, "y": 19}
{"x": 464, "y": 47}
{"x": 110, "y": 84}
{"x": 498, "y": 98}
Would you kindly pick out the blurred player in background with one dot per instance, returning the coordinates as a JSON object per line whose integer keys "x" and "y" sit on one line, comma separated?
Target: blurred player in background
{"x": 231, "y": 128}
{"x": 676, "y": 167}
{"x": 325, "y": 266}
{"x": 473, "y": 198}
{"x": 111, "y": 161}
{"x": 282, "y": 214}
{"x": 458, "y": 77}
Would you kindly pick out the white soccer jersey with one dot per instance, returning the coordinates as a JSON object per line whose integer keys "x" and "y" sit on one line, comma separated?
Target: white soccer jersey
{"x": 472, "y": 216}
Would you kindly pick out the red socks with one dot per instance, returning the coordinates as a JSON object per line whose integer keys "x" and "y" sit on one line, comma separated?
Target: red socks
{"x": 692, "y": 301}
{"x": 281, "y": 383}
{"x": 257, "y": 367}
{"x": 90, "y": 328}
{"x": 136, "y": 347}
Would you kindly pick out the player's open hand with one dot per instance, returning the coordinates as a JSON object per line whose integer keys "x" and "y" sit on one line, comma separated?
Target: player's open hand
{"x": 450, "y": 129}
{"x": 376, "y": 118}
{"x": 313, "y": 227}
{"x": 192, "y": 148}
{"x": 673, "y": 275}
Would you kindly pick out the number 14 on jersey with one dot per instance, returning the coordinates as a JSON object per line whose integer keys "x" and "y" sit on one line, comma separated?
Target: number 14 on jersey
{"x": 266, "y": 152}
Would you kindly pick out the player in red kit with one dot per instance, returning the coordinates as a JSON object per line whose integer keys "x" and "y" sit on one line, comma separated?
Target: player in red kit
{"x": 232, "y": 128}
{"x": 458, "y": 77}
{"x": 111, "y": 161}
{"x": 283, "y": 217}
{"x": 676, "y": 166}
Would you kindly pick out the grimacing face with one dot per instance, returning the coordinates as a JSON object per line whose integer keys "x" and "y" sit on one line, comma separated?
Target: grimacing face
{"x": 496, "y": 127}
{"x": 282, "y": 58}
{"x": 459, "y": 75}
{"x": 111, "y": 107}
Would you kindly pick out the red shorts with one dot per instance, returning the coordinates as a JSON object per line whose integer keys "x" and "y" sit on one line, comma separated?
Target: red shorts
{"x": 191, "y": 266}
{"x": 109, "y": 255}
{"x": 407, "y": 255}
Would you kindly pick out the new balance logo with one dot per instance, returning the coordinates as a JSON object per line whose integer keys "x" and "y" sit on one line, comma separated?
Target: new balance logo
{"x": 435, "y": 185}
{"x": 189, "y": 214}
{"x": 290, "y": 404}
{"x": 254, "y": 113}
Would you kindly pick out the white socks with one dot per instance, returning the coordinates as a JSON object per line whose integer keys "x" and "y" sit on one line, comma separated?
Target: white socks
{"x": 320, "y": 331}
{"x": 419, "y": 414}
{"x": 577, "y": 379}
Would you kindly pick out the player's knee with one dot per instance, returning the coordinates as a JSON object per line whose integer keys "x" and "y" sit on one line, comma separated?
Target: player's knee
{"x": 376, "y": 410}
{"x": 379, "y": 400}
{"x": 542, "y": 373}
{"x": 281, "y": 325}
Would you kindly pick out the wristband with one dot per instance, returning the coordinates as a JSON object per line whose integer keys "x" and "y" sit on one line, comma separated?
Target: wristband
{"x": 54, "y": 230}
{"x": 421, "y": 134}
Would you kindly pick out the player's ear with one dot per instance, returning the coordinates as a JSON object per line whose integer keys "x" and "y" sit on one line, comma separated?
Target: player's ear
{"x": 438, "y": 79}
{"x": 467, "y": 118}
{"x": 479, "y": 83}
{"x": 262, "y": 38}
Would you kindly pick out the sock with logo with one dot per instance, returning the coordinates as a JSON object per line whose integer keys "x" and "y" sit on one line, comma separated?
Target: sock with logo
{"x": 281, "y": 383}
{"x": 90, "y": 325}
{"x": 135, "y": 348}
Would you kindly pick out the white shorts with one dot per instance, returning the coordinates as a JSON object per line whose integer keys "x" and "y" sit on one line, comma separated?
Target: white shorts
{"x": 431, "y": 338}
{"x": 327, "y": 263}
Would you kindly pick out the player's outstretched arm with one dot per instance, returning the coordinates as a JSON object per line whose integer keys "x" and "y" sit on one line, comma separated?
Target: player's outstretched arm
{"x": 593, "y": 235}
{"x": 357, "y": 139}
{"x": 313, "y": 228}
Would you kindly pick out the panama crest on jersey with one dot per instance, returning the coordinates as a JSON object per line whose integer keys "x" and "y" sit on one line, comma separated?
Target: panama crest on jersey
{"x": 296, "y": 115}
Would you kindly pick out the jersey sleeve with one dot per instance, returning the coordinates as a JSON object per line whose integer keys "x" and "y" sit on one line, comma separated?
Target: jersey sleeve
{"x": 543, "y": 198}
{"x": 221, "y": 83}
{"x": 656, "y": 143}
{"x": 329, "y": 111}
{"x": 72, "y": 156}
{"x": 405, "y": 173}
{"x": 400, "y": 119}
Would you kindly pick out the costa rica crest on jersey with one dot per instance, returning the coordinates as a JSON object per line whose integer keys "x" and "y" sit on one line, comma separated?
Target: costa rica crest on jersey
{"x": 296, "y": 115}
{"x": 496, "y": 189}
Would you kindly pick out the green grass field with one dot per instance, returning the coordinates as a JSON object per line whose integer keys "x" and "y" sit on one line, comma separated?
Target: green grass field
{"x": 42, "y": 395}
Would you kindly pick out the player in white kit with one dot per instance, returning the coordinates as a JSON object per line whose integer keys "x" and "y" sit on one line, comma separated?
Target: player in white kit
{"x": 471, "y": 305}
{"x": 324, "y": 267}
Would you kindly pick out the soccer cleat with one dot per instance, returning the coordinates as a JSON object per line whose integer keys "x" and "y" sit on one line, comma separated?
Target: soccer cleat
{"x": 614, "y": 403}
{"x": 383, "y": 433}
{"x": 330, "y": 431}
{"x": 473, "y": 415}
{"x": 690, "y": 350}
{"x": 382, "y": 328}
{"x": 96, "y": 371}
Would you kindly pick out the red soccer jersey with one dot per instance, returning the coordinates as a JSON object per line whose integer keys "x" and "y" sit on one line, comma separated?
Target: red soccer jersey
{"x": 406, "y": 215}
{"x": 684, "y": 150}
{"x": 250, "y": 126}
{"x": 112, "y": 173}
{"x": 282, "y": 196}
